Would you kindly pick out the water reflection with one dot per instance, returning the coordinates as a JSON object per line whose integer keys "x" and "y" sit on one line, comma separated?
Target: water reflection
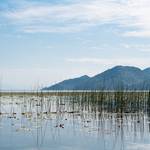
{"x": 75, "y": 120}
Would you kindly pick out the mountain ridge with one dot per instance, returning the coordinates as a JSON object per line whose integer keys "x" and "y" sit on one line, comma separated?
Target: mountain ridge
{"x": 116, "y": 78}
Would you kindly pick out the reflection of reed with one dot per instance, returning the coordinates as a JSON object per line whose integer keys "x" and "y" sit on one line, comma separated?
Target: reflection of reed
{"x": 108, "y": 114}
{"x": 0, "y": 105}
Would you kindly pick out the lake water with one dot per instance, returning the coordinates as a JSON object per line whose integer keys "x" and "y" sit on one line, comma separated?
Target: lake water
{"x": 75, "y": 121}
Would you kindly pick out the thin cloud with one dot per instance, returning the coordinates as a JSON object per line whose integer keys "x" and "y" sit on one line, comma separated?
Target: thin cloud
{"x": 137, "y": 47}
{"x": 141, "y": 62}
{"x": 77, "y": 16}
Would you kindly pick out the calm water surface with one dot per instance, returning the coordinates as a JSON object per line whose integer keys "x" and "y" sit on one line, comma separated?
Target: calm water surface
{"x": 75, "y": 121}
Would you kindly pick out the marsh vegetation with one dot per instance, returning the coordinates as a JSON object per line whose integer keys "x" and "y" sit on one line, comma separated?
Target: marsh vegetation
{"x": 82, "y": 120}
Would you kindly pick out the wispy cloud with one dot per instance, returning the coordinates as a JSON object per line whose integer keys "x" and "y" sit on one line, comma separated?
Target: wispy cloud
{"x": 63, "y": 18}
{"x": 137, "y": 47}
{"x": 141, "y": 62}
{"x": 76, "y": 16}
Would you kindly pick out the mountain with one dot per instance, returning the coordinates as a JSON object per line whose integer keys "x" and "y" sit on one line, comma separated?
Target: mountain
{"x": 70, "y": 84}
{"x": 147, "y": 72}
{"x": 116, "y": 78}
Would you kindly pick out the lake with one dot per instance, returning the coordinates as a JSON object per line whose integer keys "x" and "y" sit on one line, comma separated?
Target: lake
{"x": 75, "y": 120}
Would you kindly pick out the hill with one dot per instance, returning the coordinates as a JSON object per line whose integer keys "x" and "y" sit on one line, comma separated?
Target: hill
{"x": 116, "y": 78}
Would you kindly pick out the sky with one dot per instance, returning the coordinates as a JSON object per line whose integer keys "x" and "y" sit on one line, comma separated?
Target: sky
{"x": 46, "y": 41}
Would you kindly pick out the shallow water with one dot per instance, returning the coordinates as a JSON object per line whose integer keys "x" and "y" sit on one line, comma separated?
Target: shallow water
{"x": 80, "y": 121}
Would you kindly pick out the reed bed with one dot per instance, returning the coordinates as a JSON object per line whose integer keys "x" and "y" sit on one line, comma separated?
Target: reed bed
{"x": 92, "y": 110}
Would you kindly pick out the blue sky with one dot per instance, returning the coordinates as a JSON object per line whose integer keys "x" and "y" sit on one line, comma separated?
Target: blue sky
{"x": 46, "y": 41}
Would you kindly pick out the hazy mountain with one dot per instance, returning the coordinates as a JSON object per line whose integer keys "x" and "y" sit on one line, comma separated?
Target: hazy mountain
{"x": 119, "y": 77}
{"x": 147, "y": 72}
{"x": 70, "y": 84}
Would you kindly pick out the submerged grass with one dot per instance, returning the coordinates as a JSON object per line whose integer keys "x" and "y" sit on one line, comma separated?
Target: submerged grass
{"x": 32, "y": 111}
{"x": 111, "y": 101}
